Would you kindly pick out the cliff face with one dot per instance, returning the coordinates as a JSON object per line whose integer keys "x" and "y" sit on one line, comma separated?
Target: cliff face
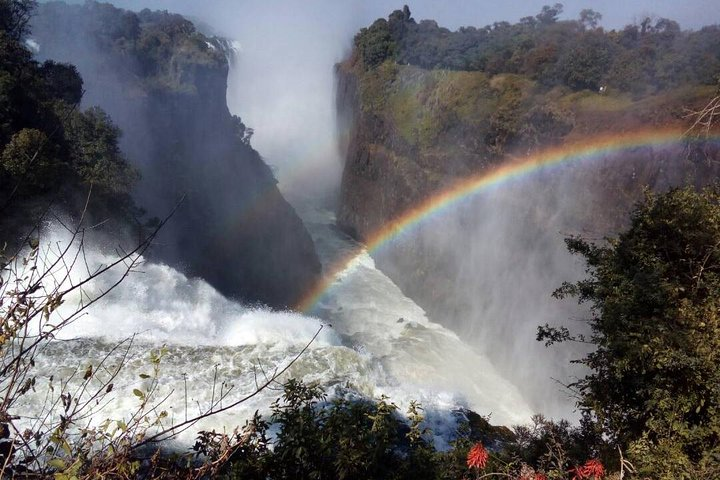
{"x": 164, "y": 85}
{"x": 415, "y": 131}
{"x": 430, "y": 105}
{"x": 487, "y": 268}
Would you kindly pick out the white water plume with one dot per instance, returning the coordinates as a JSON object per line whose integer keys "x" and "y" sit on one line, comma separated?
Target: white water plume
{"x": 380, "y": 342}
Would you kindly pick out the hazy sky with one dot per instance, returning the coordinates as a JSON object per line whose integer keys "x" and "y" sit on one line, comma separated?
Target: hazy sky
{"x": 449, "y": 13}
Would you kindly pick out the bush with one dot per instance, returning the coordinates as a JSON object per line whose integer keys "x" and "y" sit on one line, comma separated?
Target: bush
{"x": 30, "y": 157}
{"x": 654, "y": 293}
{"x": 375, "y": 44}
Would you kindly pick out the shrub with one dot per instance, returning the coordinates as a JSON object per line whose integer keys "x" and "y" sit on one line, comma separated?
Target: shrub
{"x": 654, "y": 293}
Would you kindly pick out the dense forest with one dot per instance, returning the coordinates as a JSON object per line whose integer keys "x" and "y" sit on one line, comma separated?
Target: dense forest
{"x": 640, "y": 58}
{"x": 51, "y": 149}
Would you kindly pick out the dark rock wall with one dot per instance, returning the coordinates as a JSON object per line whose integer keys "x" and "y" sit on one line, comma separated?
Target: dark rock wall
{"x": 233, "y": 227}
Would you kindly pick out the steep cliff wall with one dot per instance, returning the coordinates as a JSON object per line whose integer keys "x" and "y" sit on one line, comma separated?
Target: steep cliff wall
{"x": 164, "y": 84}
{"x": 415, "y": 131}
{"x": 487, "y": 266}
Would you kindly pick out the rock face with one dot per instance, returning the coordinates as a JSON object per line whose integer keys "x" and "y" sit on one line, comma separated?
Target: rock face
{"x": 414, "y": 131}
{"x": 487, "y": 267}
{"x": 164, "y": 85}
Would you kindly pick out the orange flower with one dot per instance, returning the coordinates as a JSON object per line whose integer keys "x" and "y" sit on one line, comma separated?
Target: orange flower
{"x": 592, "y": 469}
{"x": 477, "y": 456}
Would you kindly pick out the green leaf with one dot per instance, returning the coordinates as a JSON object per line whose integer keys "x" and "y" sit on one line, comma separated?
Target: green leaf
{"x": 57, "y": 464}
{"x": 139, "y": 394}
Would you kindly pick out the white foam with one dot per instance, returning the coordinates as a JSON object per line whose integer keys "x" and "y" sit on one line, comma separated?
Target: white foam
{"x": 380, "y": 342}
{"x": 32, "y": 45}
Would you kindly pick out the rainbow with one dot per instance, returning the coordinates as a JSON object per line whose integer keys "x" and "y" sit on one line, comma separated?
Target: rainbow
{"x": 594, "y": 148}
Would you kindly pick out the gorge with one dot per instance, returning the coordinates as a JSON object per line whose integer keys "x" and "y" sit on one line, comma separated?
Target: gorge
{"x": 386, "y": 219}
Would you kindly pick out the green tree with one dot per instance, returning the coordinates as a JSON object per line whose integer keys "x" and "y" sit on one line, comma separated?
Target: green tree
{"x": 62, "y": 81}
{"x": 586, "y": 63}
{"x": 30, "y": 156}
{"x": 654, "y": 293}
{"x": 375, "y": 43}
{"x": 15, "y": 17}
{"x": 97, "y": 158}
{"x": 589, "y": 18}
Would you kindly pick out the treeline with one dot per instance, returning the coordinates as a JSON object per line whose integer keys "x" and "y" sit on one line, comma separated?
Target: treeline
{"x": 47, "y": 144}
{"x": 640, "y": 58}
{"x": 156, "y": 46}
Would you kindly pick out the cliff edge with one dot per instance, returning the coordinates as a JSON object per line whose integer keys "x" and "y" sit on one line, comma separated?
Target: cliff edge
{"x": 164, "y": 85}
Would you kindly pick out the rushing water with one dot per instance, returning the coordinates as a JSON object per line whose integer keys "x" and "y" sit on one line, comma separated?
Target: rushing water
{"x": 373, "y": 341}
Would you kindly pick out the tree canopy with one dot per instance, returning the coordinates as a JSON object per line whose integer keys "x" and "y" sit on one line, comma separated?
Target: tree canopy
{"x": 46, "y": 141}
{"x": 654, "y": 293}
{"x": 644, "y": 57}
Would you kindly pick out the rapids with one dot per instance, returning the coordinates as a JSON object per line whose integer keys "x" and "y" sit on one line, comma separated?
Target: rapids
{"x": 373, "y": 341}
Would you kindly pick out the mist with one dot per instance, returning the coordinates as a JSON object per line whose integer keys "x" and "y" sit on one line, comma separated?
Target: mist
{"x": 231, "y": 226}
{"x": 283, "y": 83}
{"x": 503, "y": 252}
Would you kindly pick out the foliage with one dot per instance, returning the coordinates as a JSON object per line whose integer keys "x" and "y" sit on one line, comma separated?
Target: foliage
{"x": 46, "y": 143}
{"x": 654, "y": 385}
{"x": 62, "y": 81}
{"x": 343, "y": 439}
{"x": 97, "y": 159}
{"x": 29, "y": 155}
{"x": 15, "y": 16}
{"x": 357, "y": 438}
{"x": 583, "y": 65}
{"x": 640, "y": 58}
{"x": 375, "y": 43}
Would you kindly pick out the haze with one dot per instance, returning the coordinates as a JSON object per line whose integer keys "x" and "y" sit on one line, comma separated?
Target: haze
{"x": 283, "y": 86}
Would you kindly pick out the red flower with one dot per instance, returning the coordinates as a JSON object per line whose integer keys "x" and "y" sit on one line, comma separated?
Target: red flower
{"x": 540, "y": 476}
{"x": 592, "y": 469}
{"x": 477, "y": 456}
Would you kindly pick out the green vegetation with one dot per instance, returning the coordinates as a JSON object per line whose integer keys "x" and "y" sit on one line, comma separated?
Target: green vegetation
{"x": 46, "y": 142}
{"x": 361, "y": 439}
{"x": 480, "y": 93}
{"x": 654, "y": 381}
{"x": 653, "y": 55}
{"x": 162, "y": 50}
{"x": 653, "y": 390}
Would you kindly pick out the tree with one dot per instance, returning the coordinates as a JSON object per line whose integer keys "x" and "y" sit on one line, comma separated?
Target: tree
{"x": 549, "y": 14}
{"x": 97, "y": 158}
{"x": 62, "y": 81}
{"x": 15, "y": 17}
{"x": 589, "y": 18}
{"x": 585, "y": 64}
{"x": 30, "y": 156}
{"x": 375, "y": 43}
{"x": 654, "y": 293}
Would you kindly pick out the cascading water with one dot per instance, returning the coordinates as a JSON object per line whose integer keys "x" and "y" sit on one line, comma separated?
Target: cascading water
{"x": 375, "y": 341}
